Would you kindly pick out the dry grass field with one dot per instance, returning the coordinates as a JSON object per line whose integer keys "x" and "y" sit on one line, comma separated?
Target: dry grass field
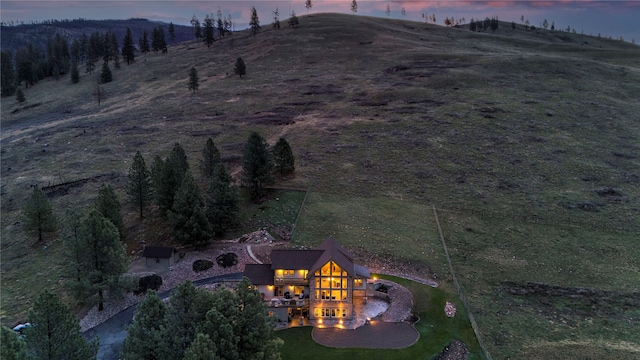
{"x": 527, "y": 143}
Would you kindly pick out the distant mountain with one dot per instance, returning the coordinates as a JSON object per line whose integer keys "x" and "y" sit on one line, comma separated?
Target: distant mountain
{"x": 14, "y": 37}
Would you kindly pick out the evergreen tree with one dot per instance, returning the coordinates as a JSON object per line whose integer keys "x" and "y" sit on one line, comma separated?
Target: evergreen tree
{"x": 8, "y": 73}
{"x": 197, "y": 29}
{"x": 228, "y": 24}
{"x": 158, "y": 41}
{"x": 223, "y": 208}
{"x": 472, "y": 25}
{"x": 256, "y": 166}
{"x": 71, "y": 237}
{"x": 208, "y": 33}
{"x": 219, "y": 324}
{"x": 128, "y": 50}
{"x": 143, "y": 43}
{"x": 114, "y": 51}
{"x": 388, "y": 11}
{"x": 187, "y": 217}
{"x": 254, "y": 23}
{"x": 193, "y": 80}
{"x": 220, "y": 24}
{"x": 139, "y": 186}
{"x": 75, "y": 74}
{"x": 146, "y": 332}
{"x": 283, "y": 157}
{"x": 172, "y": 31}
{"x": 20, "y": 96}
{"x": 202, "y": 348}
{"x": 167, "y": 177}
{"x": 210, "y": 159}
{"x": 293, "y": 20}
{"x": 12, "y": 347}
{"x": 403, "y": 11}
{"x": 240, "y": 68}
{"x": 308, "y": 5}
{"x": 103, "y": 263}
{"x": 55, "y": 332}
{"x": 108, "y": 205}
{"x": 105, "y": 73}
{"x": 354, "y": 6}
{"x": 255, "y": 326}
{"x": 89, "y": 66}
{"x": 38, "y": 214}
{"x": 187, "y": 308}
{"x": 276, "y": 20}
{"x": 26, "y": 66}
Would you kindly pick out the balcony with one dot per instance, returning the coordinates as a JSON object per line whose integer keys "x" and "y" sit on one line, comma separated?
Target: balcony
{"x": 290, "y": 280}
{"x": 283, "y": 302}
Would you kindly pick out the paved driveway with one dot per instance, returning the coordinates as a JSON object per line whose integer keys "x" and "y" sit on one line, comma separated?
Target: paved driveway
{"x": 112, "y": 332}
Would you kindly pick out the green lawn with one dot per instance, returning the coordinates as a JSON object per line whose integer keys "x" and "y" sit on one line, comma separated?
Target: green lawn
{"x": 436, "y": 331}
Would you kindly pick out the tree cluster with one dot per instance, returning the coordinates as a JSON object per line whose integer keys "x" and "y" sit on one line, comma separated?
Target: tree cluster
{"x": 488, "y": 24}
{"x": 210, "y": 28}
{"x": 198, "y": 324}
{"x": 54, "y": 333}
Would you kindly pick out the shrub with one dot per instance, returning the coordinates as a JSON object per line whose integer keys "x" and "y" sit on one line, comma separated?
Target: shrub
{"x": 145, "y": 283}
{"x": 227, "y": 260}
{"x": 202, "y": 265}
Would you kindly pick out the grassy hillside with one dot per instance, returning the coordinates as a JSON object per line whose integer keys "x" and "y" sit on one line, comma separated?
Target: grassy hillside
{"x": 527, "y": 142}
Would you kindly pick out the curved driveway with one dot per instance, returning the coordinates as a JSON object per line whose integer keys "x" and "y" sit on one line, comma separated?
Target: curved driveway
{"x": 112, "y": 332}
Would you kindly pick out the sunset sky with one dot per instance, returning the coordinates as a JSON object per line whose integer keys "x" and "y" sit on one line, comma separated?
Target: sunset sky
{"x": 613, "y": 18}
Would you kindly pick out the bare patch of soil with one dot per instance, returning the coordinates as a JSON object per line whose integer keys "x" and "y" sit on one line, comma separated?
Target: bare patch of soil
{"x": 457, "y": 350}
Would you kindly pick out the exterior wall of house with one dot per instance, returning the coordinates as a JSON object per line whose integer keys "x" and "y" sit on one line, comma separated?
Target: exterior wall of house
{"x": 158, "y": 262}
{"x": 266, "y": 291}
{"x": 331, "y": 294}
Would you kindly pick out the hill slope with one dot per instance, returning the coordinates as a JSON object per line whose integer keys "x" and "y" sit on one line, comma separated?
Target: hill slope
{"x": 528, "y": 142}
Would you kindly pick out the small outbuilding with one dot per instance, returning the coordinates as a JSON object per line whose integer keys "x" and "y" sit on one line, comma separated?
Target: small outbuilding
{"x": 159, "y": 256}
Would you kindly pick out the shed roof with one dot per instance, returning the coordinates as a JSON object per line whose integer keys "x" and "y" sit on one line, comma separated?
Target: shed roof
{"x": 163, "y": 252}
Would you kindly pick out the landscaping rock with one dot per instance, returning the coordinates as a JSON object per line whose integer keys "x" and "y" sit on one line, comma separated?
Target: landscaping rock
{"x": 450, "y": 309}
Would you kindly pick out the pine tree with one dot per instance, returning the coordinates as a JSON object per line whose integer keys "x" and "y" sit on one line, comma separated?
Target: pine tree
{"x": 308, "y": 5}
{"x": 219, "y": 323}
{"x": 283, "y": 157}
{"x": 128, "y": 50}
{"x": 89, "y": 66}
{"x": 293, "y": 20}
{"x": 354, "y": 6}
{"x": 256, "y": 166}
{"x": 8, "y": 80}
{"x": 255, "y": 326}
{"x": 114, "y": 51}
{"x": 71, "y": 237}
{"x": 210, "y": 159}
{"x": 223, "y": 208}
{"x": 276, "y": 20}
{"x": 254, "y": 23}
{"x": 20, "y": 96}
{"x": 172, "y": 31}
{"x": 104, "y": 260}
{"x": 105, "y": 73}
{"x": 38, "y": 214}
{"x": 187, "y": 308}
{"x": 208, "y": 32}
{"x": 147, "y": 330}
{"x": 75, "y": 74}
{"x": 240, "y": 68}
{"x": 388, "y": 11}
{"x": 220, "y": 23}
{"x": 187, "y": 217}
{"x": 193, "y": 80}
{"x": 202, "y": 348}
{"x": 12, "y": 348}
{"x": 158, "y": 41}
{"x": 167, "y": 177}
{"x": 143, "y": 43}
{"x": 55, "y": 332}
{"x": 108, "y": 205}
{"x": 197, "y": 30}
{"x": 139, "y": 186}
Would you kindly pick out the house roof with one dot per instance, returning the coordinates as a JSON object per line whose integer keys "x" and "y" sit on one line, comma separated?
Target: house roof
{"x": 332, "y": 251}
{"x": 162, "y": 252}
{"x": 362, "y": 271}
{"x": 259, "y": 274}
{"x": 294, "y": 259}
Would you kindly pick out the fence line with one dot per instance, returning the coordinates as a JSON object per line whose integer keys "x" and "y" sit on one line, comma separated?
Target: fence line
{"x": 293, "y": 228}
{"x": 474, "y": 325}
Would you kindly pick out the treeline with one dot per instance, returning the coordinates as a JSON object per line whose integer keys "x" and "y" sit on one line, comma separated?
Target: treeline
{"x": 95, "y": 237}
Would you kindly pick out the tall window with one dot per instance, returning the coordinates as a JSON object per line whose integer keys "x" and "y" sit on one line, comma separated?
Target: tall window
{"x": 331, "y": 283}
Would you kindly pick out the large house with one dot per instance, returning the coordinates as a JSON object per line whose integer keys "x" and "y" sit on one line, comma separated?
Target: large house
{"x": 321, "y": 283}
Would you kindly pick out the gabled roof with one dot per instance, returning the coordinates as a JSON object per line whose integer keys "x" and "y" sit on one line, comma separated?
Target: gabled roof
{"x": 362, "y": 271}
{"x": 294, "y": 259}
{"x": 259, "y": 274}
{"x": 162, "y": 252}
{"x": 332, "y": 251}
